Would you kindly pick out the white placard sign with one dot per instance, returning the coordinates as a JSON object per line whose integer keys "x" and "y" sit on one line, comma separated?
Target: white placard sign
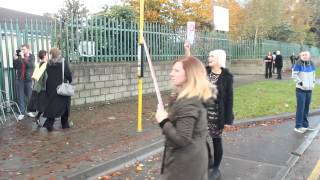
{"x": 221, "y": 18}
{"x": 191, "y": 27}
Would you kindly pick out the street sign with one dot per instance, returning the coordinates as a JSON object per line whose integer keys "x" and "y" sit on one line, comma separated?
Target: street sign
{"x": 191, "y": 27}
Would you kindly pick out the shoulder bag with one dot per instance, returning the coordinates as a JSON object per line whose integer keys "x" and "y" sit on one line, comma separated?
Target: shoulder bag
{"x": 65, "y": 89}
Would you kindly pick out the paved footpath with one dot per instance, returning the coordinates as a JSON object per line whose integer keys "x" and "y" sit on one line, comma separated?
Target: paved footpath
{"x": 262, "y": 152}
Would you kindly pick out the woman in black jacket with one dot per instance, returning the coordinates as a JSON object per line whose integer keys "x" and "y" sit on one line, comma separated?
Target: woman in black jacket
{"x": 268, "y": 62}
{"x": 223, "y": 79}
{"x": 58, "y": 106}
{"x": 220, "y": 113}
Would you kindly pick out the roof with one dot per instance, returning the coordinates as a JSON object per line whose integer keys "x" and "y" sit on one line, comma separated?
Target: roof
{"x": 6, "y": 15}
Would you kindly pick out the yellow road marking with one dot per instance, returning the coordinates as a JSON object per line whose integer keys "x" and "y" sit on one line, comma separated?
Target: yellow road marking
{"x": 315, "y": 172}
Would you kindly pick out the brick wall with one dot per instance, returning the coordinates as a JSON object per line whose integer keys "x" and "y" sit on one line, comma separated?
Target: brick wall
{"x": 253, "y": 66}
{"x": 244, "y": 66}
{"x": 100, "y": 82}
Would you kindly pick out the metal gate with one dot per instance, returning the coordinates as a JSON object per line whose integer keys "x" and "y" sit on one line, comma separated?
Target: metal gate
{"x": 12, "y": 37}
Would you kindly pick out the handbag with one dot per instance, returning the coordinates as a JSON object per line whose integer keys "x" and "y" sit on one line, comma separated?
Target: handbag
{"x": 65, "y": 89}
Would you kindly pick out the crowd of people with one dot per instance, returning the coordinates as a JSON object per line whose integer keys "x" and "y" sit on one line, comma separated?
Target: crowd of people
{"x": 273, "y": 61}
{"x": 303, "y": 72}
{"x": 203, "y": 106}
{"x": 200, "y": 108}
{"x": 36, "y": 85}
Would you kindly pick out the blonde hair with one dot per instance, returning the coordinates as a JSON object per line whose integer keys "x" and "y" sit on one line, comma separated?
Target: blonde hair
{"x": 197, "y": 83}
{"x": 222, "y": 56}
{"x": 55, "y": 52}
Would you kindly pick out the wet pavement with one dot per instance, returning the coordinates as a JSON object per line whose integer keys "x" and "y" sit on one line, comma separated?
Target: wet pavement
{"x": 261, "y": 152}
{"x": 307, "y": 163}
{"x": 100, "y": 133}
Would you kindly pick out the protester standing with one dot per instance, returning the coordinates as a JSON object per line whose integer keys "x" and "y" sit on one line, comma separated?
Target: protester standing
{"x": 293, "y": 59}
{"x": 220, "y": 113}
{"x": 58, "y": 106}
{"x": 223, "y": 79}
{"x": 279, "y": 64}
{"x": 185, "y": 127}
{"x": 273, "y": 62}
{"x": 24, "y": 65}
{"x": 304, "y": 75}
{"x": 38, "y": 101}
{"x": 268, "y": 65}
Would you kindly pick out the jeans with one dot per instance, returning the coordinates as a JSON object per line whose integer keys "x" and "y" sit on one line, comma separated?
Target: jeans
{"x": 303, "y": 102}
{"x": 24, "y": 90}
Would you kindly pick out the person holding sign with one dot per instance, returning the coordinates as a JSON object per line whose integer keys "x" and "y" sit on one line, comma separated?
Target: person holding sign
{"x": 185, "y": 126}
{"x": 38, "y": 101}
{"x": 220, "y": 113}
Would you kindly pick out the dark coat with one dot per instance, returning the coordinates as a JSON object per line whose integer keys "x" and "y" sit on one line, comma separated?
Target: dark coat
{"x": 38, "y": 100}
{"x": 29, "y": 67}
{"x": 267, "y": 59}
{"x": 225, "y": 97}
{"x": 185, "y": 155}
{"x": 57, "y": 104}
{"x": 279, "y": 61}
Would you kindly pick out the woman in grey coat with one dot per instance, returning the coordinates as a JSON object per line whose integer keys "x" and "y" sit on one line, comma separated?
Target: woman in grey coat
{"x": 185, "y": 127}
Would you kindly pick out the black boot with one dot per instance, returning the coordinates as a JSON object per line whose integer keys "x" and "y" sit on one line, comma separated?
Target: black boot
{"x": 49, "y": 124}
{"x": 214, "y": 174}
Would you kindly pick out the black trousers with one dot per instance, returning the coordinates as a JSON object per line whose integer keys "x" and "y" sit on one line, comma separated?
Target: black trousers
{"x": 64, "y": 121}
{"x": 279, "y": 70}
{"x": 273, "y": 68}
{"x": 268, "y": 73}
{"x": 215, "y": 161}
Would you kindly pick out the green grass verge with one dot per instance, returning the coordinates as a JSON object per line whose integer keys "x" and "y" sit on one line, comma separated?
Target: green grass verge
{"x": 268, "y": 98}
{"x": 318, "y": 72}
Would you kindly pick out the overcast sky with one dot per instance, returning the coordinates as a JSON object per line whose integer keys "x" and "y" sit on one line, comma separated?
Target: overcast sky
{"x": 51, "y": 6}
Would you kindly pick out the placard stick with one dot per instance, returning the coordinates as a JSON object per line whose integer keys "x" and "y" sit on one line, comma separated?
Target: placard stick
{"x": 155, "y": 83}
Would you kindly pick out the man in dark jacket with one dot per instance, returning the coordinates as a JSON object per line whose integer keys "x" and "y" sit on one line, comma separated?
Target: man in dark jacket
{"x": 24, "y": 65}
{"x": 279, "y": 64}
{"x": 293, "y": 59}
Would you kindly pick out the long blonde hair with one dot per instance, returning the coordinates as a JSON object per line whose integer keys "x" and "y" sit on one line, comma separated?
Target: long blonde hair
{"x": 197, "y": 83}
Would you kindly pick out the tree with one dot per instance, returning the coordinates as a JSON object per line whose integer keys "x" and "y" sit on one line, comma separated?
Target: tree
{"x": 281, "y": 32}
{"x": 259, "y": 17}
{"x": 177, "y": 13}
{"x": 315, "y": 24}
{"x": 299, "y": 15}
{"x": 123, "y": 12}
{"x": 72, "y": 8}
{"x": 153, "y": 9}
{"x": 236, "y": 14}
{"x": 75, "y": 11}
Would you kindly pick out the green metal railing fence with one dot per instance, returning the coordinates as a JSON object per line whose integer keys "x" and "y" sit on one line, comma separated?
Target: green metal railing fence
{"x": 36, "y": 34}
{"x": 99, "y": 39}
